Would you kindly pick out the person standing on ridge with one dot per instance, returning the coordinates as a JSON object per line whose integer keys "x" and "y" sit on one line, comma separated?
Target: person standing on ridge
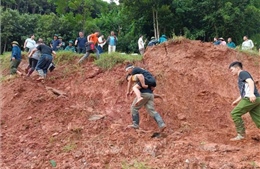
{"x": 141, "y": 45}
{"x": 55, "y": 43}
{"x": 29, "y": 43}
{"x": 231, "y": 44}
{"x": 80, "y": 43}
{"x": 247, "y": 44}
{"x": 112, "y": 42}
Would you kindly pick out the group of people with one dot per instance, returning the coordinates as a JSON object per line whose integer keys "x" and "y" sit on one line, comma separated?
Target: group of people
{"x": 246, "y": 45}
{"x": 41, "y": 55}
{"x": 143, "y": 84}
{"x": 40, "y": 58}
{"x": 141, "y": 81}
{"x": 57, "y": 43}
{"x": 221, "y": 41}
{"x": 98, "y": 40}
{"x": 152, "y": 42}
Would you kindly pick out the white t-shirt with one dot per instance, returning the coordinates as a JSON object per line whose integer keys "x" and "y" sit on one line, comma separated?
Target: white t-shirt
{"x": 140, "y": 43}
{"x": 248, "y": 44}
{"x": 100, "y": 40}
{"x": 30, "y": 43}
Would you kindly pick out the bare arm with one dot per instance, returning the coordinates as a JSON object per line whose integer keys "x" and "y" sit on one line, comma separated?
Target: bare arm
{"x": 129, "y": 84}
{"x": 54, "y": 54}
{"x": 32, "y": 52}
{"x": 76, "y": 42}
{"x": 25, "y": 43}
{"x": 252, "y": 89}
{"x": 88, "y": 38}
{"x": 141, "y": 79}
{"x": 236, "y": 101}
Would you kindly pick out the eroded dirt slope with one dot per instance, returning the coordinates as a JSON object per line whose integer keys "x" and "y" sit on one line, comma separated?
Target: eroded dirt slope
{"x": 193, "y": 77}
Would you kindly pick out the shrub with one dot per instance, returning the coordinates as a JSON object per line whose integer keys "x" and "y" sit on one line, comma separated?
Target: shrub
{"x": 108, "y": 61}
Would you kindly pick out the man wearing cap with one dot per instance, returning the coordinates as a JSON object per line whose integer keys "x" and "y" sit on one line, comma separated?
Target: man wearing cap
{"x": 147, "y": 101}
{"x": 55, "y": 43}
{"x": 248, "y": 101}
{"x": 222, "y": 41}
{"x": 61, "y": 45}
{"x": 16, "y": 57}
{"x": 153, "y": 42}
{"x": 44, "y": 61}
{"x": 162, "y": 39}
{"x": 70, "y": 47}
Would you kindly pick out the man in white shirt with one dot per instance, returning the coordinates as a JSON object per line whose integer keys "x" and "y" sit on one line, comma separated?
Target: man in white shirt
{"x": 29, "y": 43}
{"x": 101, "y": 43}
{"x": 247, "y": 44}
{"x": 141, "y": 45}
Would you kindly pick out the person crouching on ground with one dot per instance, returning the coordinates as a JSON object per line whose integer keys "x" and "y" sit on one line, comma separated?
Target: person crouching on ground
{"x": 33, "y": 60}
{"x": 248, "y": 101}
{"x": 44, "y": 61}
{"x": 16, "y": 58}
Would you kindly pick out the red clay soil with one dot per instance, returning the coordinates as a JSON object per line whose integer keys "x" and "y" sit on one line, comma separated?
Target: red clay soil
{"x": 43, "y": 125}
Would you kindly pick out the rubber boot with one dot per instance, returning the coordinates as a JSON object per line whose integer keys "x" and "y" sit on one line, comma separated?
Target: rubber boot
{"x": 27, "y": 69}
{"x": 135, "y": 118}
{"x": 159, "y": 121}
{"x": 30, "y": 71}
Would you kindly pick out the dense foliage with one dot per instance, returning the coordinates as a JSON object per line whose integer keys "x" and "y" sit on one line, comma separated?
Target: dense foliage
{"x": 195, "y": 19}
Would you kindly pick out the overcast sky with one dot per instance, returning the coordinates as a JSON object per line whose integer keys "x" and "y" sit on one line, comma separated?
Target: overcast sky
{"x": 116, "y": 1}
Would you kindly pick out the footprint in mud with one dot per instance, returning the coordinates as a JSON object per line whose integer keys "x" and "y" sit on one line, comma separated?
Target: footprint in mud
{"x": 256, "y": 138}
{"x": 158, "y": 135}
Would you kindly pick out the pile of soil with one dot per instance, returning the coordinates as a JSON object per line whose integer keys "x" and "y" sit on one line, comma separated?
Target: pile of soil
{"x": 78, "y": 118}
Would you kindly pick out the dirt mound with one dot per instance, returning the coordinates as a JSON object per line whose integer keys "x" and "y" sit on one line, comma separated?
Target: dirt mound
{"x": 44, "y": 125}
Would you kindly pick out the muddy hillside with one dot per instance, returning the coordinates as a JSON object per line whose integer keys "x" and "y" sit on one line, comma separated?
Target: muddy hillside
{"x": 51, "y": 124}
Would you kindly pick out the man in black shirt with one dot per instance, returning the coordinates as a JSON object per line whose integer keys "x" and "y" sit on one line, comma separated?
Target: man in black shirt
{"x": 44, "y": 61}
{"x": 147, "y": 101}
{"x": 248, "y": 101}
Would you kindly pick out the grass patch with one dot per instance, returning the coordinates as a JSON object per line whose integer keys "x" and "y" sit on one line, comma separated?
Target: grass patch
{"x": 248, "y": 52}
{"x": 5, "y": 60}
{"x": 135, "y": 165}
{"x": 66, "y": 56}
{"x": 108, "y": 61}
{"x": 69, "y": 147}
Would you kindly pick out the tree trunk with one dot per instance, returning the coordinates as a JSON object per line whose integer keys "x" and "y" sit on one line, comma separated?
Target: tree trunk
{"x": 157, "y": 24}
{"x": 5, "y": 45}
{"x": 154, "y": 24}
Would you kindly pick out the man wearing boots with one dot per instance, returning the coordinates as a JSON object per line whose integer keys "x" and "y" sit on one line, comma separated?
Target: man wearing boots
{"x": 148, "y": 103}
{"x": 44, "y": 61}
{"x": 248, "y": 101}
